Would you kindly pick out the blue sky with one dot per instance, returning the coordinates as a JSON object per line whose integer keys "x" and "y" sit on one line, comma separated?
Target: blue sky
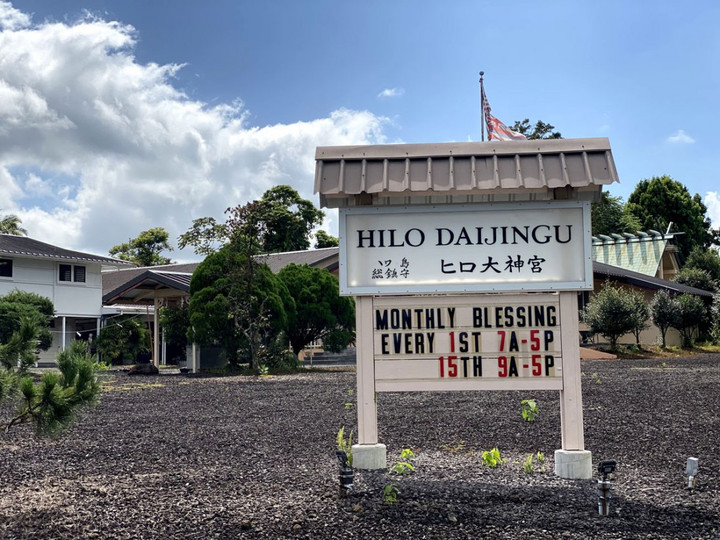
{"x": 153, "y": 113}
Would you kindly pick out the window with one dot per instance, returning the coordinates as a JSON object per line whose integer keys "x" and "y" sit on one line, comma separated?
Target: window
{"x": 68, "y": 272}
{"x": 6, "y": 266}
{"x": 79, "y": 274}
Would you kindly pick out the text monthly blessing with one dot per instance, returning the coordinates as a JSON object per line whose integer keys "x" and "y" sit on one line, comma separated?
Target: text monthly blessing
{"x": 482, "y": 317}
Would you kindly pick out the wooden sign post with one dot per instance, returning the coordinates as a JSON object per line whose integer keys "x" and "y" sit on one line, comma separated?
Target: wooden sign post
{"x": 474, "y": 296}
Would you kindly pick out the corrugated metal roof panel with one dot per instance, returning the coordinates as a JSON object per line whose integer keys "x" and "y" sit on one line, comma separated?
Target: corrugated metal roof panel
{"x": 28, "y": 247}
{"x": 453, "y": 169}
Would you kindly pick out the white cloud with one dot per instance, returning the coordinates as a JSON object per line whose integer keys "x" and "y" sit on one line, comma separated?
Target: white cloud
{"x": 122, "y": 150}
{"x": 391, "y": 92}
{"x": 12, "y": 18}
{"x": 680, "y": 138}
{"x": 712, "y": 201}
{"x": 36, "y": 186}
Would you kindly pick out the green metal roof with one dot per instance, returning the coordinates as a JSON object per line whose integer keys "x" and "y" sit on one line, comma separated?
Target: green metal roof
{"x": 641, "y": 253}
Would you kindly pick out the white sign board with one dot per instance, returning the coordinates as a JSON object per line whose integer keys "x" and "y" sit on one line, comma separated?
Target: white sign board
{"x": 489, "y": 342}
{"x": 540, "y": 246}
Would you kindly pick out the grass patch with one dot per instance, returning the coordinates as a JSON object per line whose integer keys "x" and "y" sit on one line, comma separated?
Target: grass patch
{"x": 110, "y": 387}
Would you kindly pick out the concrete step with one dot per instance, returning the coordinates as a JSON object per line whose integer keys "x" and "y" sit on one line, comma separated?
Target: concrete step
{"x": 346, "y": 357}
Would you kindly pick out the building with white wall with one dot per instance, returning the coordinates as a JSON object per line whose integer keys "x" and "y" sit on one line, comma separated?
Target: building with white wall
{"x": 70, "y": 279}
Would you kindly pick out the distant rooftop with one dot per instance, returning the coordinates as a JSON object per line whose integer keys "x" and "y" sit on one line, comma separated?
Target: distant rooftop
{"x": 27, "y": 247}
{"x": 640, "y": 252}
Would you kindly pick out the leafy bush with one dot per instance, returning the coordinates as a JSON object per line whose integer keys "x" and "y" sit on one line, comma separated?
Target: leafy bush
{"x": 611, "y": 313}
{"x": 122, "y": 339}
{"x": 18, "y": 306}
{"x": 715, "y": 318}
{"x": 640, "y": 317}
{"x": 689, "y": 315}
{"x": 698, "y": 278}
{"x": 663, "y": 311}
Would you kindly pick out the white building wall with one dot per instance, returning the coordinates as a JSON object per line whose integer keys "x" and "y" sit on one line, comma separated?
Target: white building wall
{"x": 72, "y": 300}
{"x": 69, "y": 298}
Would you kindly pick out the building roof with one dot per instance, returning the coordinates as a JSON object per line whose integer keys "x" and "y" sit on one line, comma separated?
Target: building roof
{"x": 140, "y": 285}
{"x": 134, "y": 285}
{"x": 641, "y": 252}
{"x": 318, "y": 258}
{"x": 143, "y": 288}
{"x": 463, "y": 172}
{"x": 23, "y": 246}
{"x": 624, "y": 275}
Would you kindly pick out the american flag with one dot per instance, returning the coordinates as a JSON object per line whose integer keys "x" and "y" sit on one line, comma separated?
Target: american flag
{"x": 498, "y": 131}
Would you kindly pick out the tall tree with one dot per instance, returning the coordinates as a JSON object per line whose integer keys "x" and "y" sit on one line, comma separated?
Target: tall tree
{"x": 206, "y": 235}
{"x": 705, "y": 259}
{"x": 540, "y": 130}
{"x": 325, "y": 240}
{"x": 280, "y": 220}
{"x": 239, "y": 304}
{"x": 11, "y": 224}
{"x": 610, "y": 215}
{"x": 145, "y": 249}
{"x": 659, "y": 201}
{"x": 320, "y": 310}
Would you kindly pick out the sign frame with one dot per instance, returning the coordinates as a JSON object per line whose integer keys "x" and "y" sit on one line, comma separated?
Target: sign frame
{"x": 441, "y": 285}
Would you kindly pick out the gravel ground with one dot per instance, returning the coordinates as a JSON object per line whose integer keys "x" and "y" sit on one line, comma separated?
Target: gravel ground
{"x": 173, "y": 456}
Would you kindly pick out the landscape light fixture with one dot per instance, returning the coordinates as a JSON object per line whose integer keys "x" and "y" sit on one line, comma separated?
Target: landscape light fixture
{"x": 605, "y": 486}
{"x": 346, "y": 472}
{"x": 691, "y": 470}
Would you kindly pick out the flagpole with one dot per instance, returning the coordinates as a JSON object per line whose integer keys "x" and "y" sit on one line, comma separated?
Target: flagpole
{"x": 482, "y": 108}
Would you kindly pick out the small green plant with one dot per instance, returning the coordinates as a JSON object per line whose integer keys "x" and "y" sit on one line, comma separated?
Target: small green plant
{"x": 454, "y": 449}
{"x": 264, "y": 370}
{"x": 491, "y": 458}
{"x": 529, "y": 409}
{"x": 527, "y": 464}
{"x": 345, "y": 445}
{"x": 404, "y": 466}
{"x": 390, "y": 493}
{"x": 348, "y": 406}
{"x": 663, "y": 365}
{"x": 596, "y": 379}
{"x": 351, "y": 391}
{"x": 101, "y": 366}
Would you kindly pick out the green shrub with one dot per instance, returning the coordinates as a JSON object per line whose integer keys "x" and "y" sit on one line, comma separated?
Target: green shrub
{"x": 611, "y": 313}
